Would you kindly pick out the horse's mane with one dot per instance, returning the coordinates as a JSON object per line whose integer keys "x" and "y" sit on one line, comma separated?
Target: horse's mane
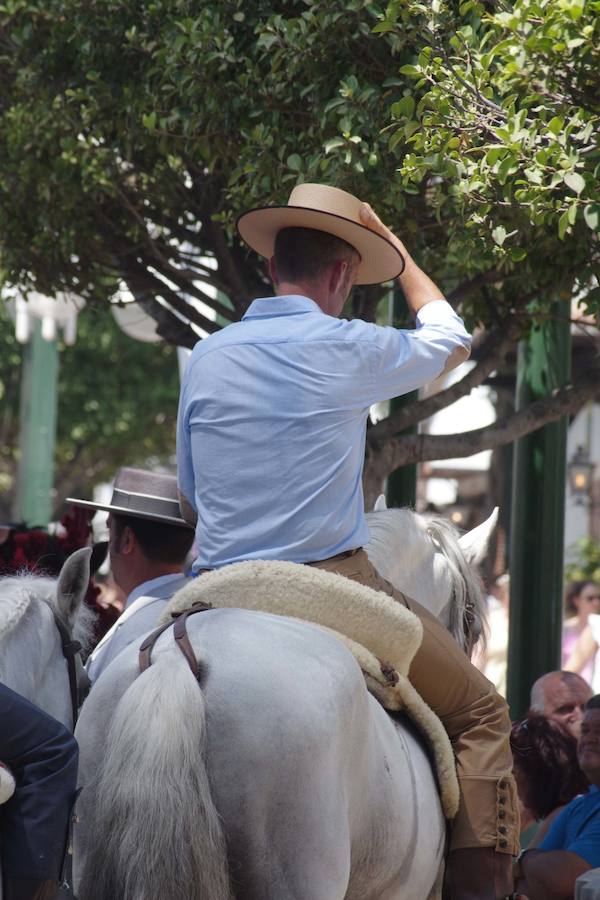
{"x": 16, "y": 595}
{"x": 466, "y": 585}
{"x": 18, "y": 592}
{"x": 466, "y": 592}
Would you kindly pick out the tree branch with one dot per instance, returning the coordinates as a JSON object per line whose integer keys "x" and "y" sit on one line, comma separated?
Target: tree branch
{"x": 493, "y": 348}
{"x": 463, "y": 290}
{"x": 169, "y": 326}
{"x": 147, "y": 283}
{"x": 242, "y": 287}
{"x": 407, "y": 449}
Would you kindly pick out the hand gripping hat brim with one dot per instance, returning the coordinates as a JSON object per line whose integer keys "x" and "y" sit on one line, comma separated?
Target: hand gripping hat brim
{"x": 326, "y": 209}
{"x": 144, "y": 495}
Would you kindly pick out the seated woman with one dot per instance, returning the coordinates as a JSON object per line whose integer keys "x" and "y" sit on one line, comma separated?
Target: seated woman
{"x": 586, "y": 652}
{"x": 582, "y": 604}
{"x": 547, "y": 774}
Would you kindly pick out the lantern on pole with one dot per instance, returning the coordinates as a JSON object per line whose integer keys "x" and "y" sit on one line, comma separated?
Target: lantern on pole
{"x": 581, "y": 469}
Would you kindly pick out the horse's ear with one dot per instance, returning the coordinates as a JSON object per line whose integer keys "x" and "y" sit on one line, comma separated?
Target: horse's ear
{"x": 72, "y": 584}
{"x": 380, "y": 503}
{"x": 474, "y": 544}
{"x": 99, "y": 554}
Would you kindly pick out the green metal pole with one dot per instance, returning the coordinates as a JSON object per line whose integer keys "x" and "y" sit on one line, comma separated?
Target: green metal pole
{"x": 401, "y": 485}
{"x": 538, "y": 514}
{"x": 33, "y": 502}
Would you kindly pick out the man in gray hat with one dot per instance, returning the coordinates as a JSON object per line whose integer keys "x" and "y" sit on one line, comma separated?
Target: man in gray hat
{"x": 148, "y": 545}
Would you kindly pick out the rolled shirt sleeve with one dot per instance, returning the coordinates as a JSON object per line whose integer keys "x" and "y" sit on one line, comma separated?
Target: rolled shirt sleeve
{"x": 407, "y": 359}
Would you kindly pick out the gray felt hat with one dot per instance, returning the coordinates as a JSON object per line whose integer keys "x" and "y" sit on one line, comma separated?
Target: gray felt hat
{"x": 145, "y": 495}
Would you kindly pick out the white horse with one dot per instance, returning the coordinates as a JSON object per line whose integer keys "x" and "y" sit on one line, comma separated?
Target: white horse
{"x": 424, "y": 558}
{"x": 275, "y": 775}
{"x": 38, "y": 616}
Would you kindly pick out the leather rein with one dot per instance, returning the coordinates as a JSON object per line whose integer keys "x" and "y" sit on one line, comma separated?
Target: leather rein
{"x": 70, "y": 649}
{"x": 181, "y": 638}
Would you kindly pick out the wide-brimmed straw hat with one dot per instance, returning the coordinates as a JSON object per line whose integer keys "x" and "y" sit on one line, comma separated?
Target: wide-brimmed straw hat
{"x": 329, "y": 209}
{"x": 145, "y": 495}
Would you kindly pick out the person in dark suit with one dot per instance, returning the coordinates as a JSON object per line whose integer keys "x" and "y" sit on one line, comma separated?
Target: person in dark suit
{"x": 42, "y": 755}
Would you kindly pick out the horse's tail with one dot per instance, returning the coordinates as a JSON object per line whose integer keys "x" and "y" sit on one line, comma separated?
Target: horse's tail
{"x": 155, "y": 831}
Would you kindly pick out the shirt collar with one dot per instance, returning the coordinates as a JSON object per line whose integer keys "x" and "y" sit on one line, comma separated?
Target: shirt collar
{"x": 286, "y": 305}
{"x": 146, "y": 587}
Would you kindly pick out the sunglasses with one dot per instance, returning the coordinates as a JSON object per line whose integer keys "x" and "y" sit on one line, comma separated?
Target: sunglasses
{"x": 519, "y": 729}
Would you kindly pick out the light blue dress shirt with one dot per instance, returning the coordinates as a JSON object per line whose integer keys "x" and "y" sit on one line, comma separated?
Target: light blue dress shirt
{"x": 143, "y": 609}
{"x": 272, "y": 423}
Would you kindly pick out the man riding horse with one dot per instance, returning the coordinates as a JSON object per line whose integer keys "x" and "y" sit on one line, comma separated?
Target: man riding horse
{"x": 270, "y": 449}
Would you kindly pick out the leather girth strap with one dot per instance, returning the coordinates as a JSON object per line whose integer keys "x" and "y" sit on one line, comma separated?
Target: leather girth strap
{"x": 181, "y": 638}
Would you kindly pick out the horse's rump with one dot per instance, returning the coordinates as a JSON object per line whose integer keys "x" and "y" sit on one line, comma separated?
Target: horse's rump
{"x": 382, "y": 635}
{"x": 319, "y": 793}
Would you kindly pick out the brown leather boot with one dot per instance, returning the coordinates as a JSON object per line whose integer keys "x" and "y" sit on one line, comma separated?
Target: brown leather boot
{"x": 29, "y": 889}
{"x": 478, "y": 873}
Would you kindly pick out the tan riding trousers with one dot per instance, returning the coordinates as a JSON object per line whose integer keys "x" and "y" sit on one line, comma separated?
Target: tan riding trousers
{"x": 472, "y": 712}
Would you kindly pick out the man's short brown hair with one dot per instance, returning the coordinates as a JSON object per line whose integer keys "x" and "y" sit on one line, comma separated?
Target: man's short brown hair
{"x": 159, "y": 541}
{"x": 306, "y": 253}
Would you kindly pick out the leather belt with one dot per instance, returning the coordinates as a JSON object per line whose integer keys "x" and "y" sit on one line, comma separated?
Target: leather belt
{"x": 345, "y": 555}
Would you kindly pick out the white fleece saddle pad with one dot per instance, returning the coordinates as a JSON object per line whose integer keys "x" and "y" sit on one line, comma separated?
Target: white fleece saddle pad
{"x": 382, "y": 635}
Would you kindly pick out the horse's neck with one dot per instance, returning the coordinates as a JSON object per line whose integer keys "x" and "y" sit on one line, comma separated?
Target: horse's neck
{"x": 33, "y": 664}
{"x": 403, "y": 554}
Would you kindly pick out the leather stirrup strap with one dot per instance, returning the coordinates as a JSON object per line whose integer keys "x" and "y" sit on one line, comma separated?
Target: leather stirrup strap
{"x": 181, "y": 636}
{"x": 181, "y": 639}
{"x": 144, "y": 658}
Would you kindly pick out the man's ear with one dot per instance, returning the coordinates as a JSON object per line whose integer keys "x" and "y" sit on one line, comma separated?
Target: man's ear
{"x": 273, "y": 271}
{"x": 337, "y": 274}
{"x": 128, "y": 542}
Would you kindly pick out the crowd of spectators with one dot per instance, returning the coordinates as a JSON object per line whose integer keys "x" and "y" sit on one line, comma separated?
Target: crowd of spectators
{"x": 556, "y": 747}
{"x": 556, "y": 759}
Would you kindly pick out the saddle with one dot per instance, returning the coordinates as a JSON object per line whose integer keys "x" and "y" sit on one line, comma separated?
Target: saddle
{"x": 382, "y": 635}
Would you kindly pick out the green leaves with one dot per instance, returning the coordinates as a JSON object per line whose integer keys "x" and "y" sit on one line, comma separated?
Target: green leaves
{"x": 404, "y": 107}
{"x": 575, "y": 182}
{"x": 503, "y": 135}
{"x": 499, "y": 235}
{"x": 149, "y": 120}
{"x": 591, "y": 215}
{"x": 556, "y": 124}
{"x": 471, "y": 131}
